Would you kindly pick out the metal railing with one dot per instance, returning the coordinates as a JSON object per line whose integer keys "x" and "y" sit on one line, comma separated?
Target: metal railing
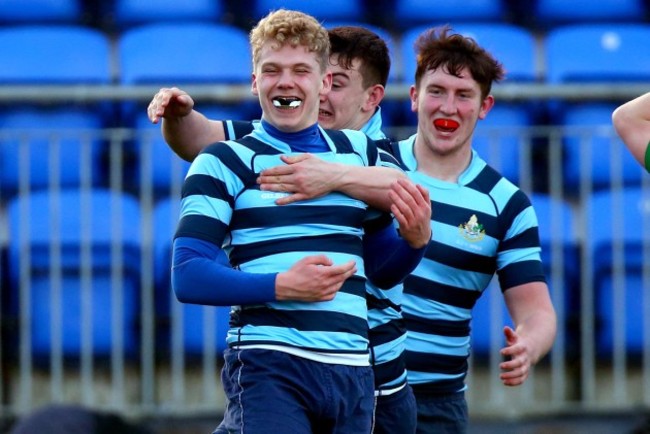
{"x": 150, "y": 368}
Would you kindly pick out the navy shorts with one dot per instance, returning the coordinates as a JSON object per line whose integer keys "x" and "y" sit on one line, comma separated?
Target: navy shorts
{"x": 274, "y": 392}
{"x": 442, "y": 414}
{"x": 396, "y": 413}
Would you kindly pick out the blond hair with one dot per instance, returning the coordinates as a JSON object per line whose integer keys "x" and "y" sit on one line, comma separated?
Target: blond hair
{"x": 291, "y": 27}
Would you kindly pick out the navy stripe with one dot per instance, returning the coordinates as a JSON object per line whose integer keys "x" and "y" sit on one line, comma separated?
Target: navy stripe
{"x": 297, "y": 215}
{"x": 302, "y": 347}
{"x": 202, "y": 227}
{"x": 371, "y": 150}
{"x": 460, "y": 259}
{"x": 205, "y": 185}
{"x": 380, "y": 303}
{"x": 229, "y": 158}
{"x": 450, "y": 215}
{"x": 436, "y": 363}
{"x": 241, "y": 129}
{"x": 527, "y": 238}
{"x": 440, "y": 387}
{"x": 303, "y": 321}
{"x": 436, "y": 326}
{"x": 387, "y": 332}
{"x": 341, "y": 142}
{"x": 378, "y": 223}
{"x": 445, "y": 294}
{"x": 340, "y": 243}
{"x": 520, "y": 273}
{"x": 258, "y": 146}
{"x": 389, "y": 371}
{"x": 486, "y": 180}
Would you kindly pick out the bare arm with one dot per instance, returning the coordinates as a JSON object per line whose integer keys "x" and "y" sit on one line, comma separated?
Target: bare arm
{"x": 535, "y": 327}
{"x": 307, "y": 177}
{"x": 632, "y": 123}
{"x": 185, "y": 130}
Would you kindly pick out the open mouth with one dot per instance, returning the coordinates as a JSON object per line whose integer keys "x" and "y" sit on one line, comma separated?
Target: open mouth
{"x": 287, "y": 102}
{"x": 446, "y": 125}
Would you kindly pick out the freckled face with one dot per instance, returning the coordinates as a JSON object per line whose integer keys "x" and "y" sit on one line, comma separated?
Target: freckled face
{"x": 289, "y": 83}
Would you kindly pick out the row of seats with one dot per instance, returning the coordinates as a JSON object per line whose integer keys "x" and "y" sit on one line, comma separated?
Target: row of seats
{"x": 61, "y": 243}
{"x": 396, "y": 14}
{"x": 219, "y": 53}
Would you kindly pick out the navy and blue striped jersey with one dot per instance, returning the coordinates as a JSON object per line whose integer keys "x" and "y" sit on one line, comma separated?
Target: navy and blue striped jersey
{"x": 223, "y": 204}
{"x": 387, "y": 331}
{"x": 481, "y": 225}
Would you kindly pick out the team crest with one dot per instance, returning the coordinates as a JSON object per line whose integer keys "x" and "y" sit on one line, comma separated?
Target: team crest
{"x": 472, "y": 230}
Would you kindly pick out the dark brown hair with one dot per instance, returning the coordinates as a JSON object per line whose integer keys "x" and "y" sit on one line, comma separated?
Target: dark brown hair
{"x": 441, "y": 48}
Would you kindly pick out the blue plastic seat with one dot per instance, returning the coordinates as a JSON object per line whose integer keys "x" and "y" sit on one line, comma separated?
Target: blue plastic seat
{"x": 408, "y": 13}
{"x": 40, "y": 11}
{"x": 488, "y": 322}
{"x": 617, "y": 221}
{"x": 164, "y": 221}
{"x": 132, "y": 12}
{"x": 202, "y": 53}
{"x": 35, "y": 55}
{"x": 591, "y": 144}
{"x": 555, "y": 12}
{"x": 499, "y": 138}
{"x": 54, "y": 55}
{"x": 598, "y": 52}
{"x": 334, "y": 10}
{"x": 51, "y": 148}
{"x": 67, "y": 242}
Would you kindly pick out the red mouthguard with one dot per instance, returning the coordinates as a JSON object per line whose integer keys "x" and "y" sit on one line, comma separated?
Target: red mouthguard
{"x": 446, "y": 123}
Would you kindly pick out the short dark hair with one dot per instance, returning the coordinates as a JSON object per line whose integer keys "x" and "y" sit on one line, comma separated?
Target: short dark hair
{"x": 353, "y": 42}
{"x": 440, "y": 47}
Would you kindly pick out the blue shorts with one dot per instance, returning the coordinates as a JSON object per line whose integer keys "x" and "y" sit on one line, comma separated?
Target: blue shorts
{"x": 274, "y": 392}
{"x": 396, "y": 413}
{"x": 442, "y": 414}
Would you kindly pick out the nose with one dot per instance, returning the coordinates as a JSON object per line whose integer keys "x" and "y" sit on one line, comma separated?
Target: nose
{"x": 448, "y": 104}
{"x": 285, "y": 79}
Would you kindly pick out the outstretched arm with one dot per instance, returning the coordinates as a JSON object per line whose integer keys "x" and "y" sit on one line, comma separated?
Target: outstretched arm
{"x": 185, "y": 130}
{"x": 632, "y": 123}
{"x": 307, "y": 177}
{"x": 535, "y": 327}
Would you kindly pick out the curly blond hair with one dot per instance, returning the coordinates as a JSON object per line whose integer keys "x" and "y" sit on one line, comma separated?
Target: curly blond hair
{"x": 291, "y": 27}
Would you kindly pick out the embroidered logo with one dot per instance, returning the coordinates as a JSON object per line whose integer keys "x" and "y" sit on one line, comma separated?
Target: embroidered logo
{"x": 472, "y": 230}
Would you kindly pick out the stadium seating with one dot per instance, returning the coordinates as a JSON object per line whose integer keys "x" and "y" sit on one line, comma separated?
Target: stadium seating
{"x": 62, "y": 244}
{"x": 333, "y": 10}
{"x": 548, "y": 13}
{"x": 616, "y": 237}
{"x": 487, "y": 332}
{"x": 41, "y": 11}
{"x": 591, "y": 145}
{"x": 409, "y": 13}
{"x": 193, "y": 316}
{"x": 40, "y": 55}
{"x": 597, "y": 53}
{"x": 132, "y": 12}
{"x": 50, "y": 148}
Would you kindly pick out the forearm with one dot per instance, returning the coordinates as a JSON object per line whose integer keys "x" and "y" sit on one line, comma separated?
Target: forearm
{"x": 369, "y": 184}
{"x": 540, "y": 329}
{"x": 188, "y": 135}
{"x": 201, "y": 274}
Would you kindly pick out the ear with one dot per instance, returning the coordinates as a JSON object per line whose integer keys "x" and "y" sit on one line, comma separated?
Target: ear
{"x": 254, "y": 90}
{"x": 326, "y": 84}
{"x": 374, "y": 96}
{"x": 414, "y": 99}
{"x": 486, "y": 106}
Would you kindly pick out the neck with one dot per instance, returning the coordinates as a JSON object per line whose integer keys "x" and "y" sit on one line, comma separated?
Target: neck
{"x": 443, "y": 166}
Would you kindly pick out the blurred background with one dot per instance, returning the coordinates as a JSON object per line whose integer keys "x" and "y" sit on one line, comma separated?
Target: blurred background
{"x": 89, "y": 196}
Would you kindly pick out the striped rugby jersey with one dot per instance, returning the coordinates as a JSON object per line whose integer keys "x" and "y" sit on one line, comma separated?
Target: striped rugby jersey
{"x": 482, "y": 225}
{"x": 223, "y": 204}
